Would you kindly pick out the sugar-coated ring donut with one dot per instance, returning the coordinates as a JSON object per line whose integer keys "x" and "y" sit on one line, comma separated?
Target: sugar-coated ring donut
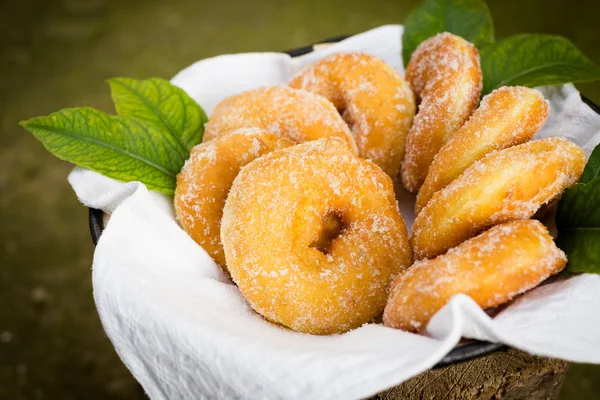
{"x": 272, "y": 228}
{"x": 372, "y": 97}
{"x": 506, "y": 117}
{"x": 207, "y": 176}
{"x": 505, "y": 185}
{"x": 491, "y": 268}
{"x": 297, "y": 115}
{"x": 445, "y": 75}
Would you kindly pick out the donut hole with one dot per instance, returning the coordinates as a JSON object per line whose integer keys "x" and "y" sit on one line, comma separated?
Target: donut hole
{"x": 332, "y": 227}
{"x": 341, "y": 104}
{"x": 346, "y": 116}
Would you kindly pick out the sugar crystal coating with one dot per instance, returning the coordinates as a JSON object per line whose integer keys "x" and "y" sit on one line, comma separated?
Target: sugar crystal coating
{"x": 293, "y": 114}
{"x": 273, "y": 216}
{"x": 505, "y": 185}
{"x": 373, "y": 98}
{"x": 491, "y": 268}
{"x": 445, "y": 74}
{"x": 205, "y": 179}
{"x": 506, "y": 117}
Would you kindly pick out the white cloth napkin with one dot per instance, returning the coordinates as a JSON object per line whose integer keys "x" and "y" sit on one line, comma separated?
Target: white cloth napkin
{"x": 185, "y": 331}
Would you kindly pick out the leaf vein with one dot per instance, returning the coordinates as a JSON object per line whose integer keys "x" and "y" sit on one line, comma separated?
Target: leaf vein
{"x": 106, "y": 145}
{"x": 151, "y": 106}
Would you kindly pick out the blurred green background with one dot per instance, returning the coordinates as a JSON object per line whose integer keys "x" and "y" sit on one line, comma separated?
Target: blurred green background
{"x": 56, "y": 54}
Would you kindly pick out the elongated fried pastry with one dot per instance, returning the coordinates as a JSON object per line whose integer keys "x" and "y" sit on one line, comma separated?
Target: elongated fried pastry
{"x": 445, "y": 74}
{"x": 491, "y": 268}
{"x": 506, "y": 117}
{"x": 505, "y": 185}
{"x": 205, "y": 180}
{"x": 293, "y": 114}
{"x": 374, "y": 100}
{"x": 272, "y": 233}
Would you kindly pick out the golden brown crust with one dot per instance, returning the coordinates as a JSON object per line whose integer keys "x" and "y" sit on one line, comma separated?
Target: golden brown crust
{"x": 273, "y": 218}
{"x": 491, "y": 268}
{"x": 297, "y": 115}
{"x": 373, "y": 98}
{"x": 205, "y": 180}
{"x": 445, "y": 74}
{"x": 506, "y": 117}
{"x": 503, "y": 186}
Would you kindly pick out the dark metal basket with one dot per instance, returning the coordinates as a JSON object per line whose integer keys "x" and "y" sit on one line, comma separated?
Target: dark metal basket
{"x": 463, "y": 352}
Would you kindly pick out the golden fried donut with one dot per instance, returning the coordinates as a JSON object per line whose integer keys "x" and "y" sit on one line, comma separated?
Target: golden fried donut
{"x": 445, "y": 75}
{"x": 506, "y": 117}
{"x": 205, "y": 180}
{"x": 293, "y": 114}
{"x": 273, "y": 228}
{"x": 505, "y": 185}
{"x": 491, "y": 268}
{"x": 373, "y": 99}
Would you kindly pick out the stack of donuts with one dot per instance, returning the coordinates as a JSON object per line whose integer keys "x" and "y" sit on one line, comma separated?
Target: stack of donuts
{"x": 292, "y": 190}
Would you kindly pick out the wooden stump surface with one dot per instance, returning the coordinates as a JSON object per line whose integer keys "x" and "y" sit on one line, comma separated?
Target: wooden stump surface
{"x": 508, "y": 375}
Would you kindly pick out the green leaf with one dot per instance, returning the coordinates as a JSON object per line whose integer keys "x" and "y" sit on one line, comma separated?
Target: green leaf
{"x": 158, "y": 103}
{"x": 534, "y": 60}
{"x": 582, "y": 247}
{"x": 592, "y": 168}
{"x": 578, "y": 221}
{"x": 469, "y": 19}
{"x": 118, "y": 147}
